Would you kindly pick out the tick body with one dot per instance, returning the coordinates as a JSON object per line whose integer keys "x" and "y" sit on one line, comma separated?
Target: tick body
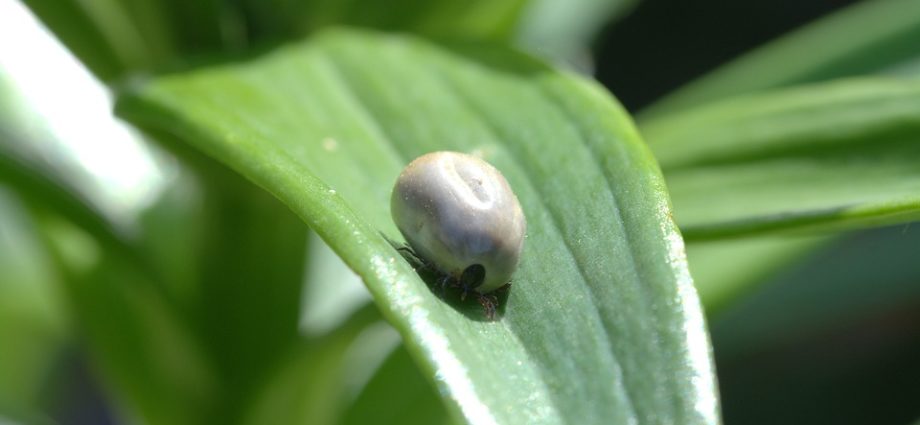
{"x": 459, "y": 216}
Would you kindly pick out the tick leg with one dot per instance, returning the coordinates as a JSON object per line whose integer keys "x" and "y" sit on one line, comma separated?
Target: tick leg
{"x": 443, "y": 281}
{"x": 420, "y": 265}
{"x": 410, "y": 256}
{"x": 489, "y": 304}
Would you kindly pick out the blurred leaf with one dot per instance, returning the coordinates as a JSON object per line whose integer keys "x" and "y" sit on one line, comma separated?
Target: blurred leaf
{"x": 137, "y": 340}
{"x": 834, "y": 338}
{"x": 838, "y": 154}
{"x": 398, "y": 394}
{"x": 724, "y": 270}
{"x": 312, "y": 385}
{"x": 72, "y": 24}
{"x": 476, "y": 19}
{"x": 333, "y": 292}
{"x": 181, "y": 250}
{"x": 33, "y": 327}
{"x": 344, "y": 338}
{"x": 243, "y": 282}
{"x": 111, "y": 36}
{"x": 251, "y": 273}
{"x": 117, "y": 37}
{"x": 29, "y": 171}
{"x": 864, "y": 38}
{"x": 564, "y": 29}
{"x": 191, "y": 253}
{"x": 36, "y": 188}
{"x": 57, "y": 149}
{"x": 200, "y": 26}
{"x": 858, "y": 275}
{"x": 171, "y": 237}
{"x": 560, "y": 29}
{"x": 907, "y": 69}
{"x": 586, "y": 336}
{"x": 11, "y": 420}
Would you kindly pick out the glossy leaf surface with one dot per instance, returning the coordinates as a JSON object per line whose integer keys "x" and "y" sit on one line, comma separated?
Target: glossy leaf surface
{"x": 602, "y": 324}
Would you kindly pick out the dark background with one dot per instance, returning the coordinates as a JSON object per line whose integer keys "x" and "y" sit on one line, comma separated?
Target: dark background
{"x": 662, "y": 44}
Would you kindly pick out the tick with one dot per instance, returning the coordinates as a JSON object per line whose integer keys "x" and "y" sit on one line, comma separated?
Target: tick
{"x": 462, "y": 220}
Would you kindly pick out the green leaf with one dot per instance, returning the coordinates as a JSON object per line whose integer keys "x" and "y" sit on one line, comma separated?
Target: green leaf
{"x": 111, "y": 36}
{"x": 397, "y": 394}
{"x": 33, "y": 326}
{"x": 313, "y": 384}
{"x": 727, "y": 269}
{"x": 832, "y": 155}
{"x": 136, "y": 339}
{"x": 210, "y": 255}
{"x": 56, "y": 150}
{"x": 859, "y": 275}
{"x": 476, "y": 19}
{"x": 333, "y": 292}
{"x": 244, "y": 255}
{"x": 117, "y": 37}
{"x": 863, "y": 38}
{"x": 602, "y": 324}
{"x": 249, "y": 284}
{"x": 565, "y": 28}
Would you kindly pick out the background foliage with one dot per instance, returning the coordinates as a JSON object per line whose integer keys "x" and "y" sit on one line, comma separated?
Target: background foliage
{"x": 221, "y": 289}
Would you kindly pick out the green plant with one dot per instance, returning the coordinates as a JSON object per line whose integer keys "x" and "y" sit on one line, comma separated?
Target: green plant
{"x": 285, "y": 124}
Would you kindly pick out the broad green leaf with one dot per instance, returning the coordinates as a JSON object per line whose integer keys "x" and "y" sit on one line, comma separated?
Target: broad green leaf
{"x": 602, "y": 324}
{"x": 864, "y": 38}
{"x": 838, "y": 154}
